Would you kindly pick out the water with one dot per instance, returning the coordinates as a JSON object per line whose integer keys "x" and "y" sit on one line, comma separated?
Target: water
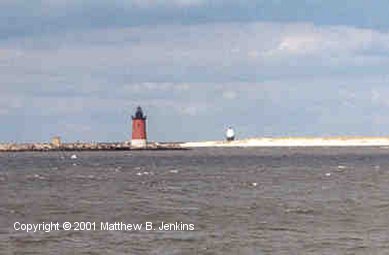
{"x": 241, "y": 201}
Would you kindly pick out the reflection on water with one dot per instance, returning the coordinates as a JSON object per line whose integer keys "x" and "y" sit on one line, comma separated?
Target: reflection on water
{"x": 241, "y": 201}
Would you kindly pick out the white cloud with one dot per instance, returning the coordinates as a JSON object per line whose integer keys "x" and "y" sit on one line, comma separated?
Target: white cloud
{"x": 152, "y": 3}
{"x": 316, "y": 40}
{"x": 190, "y": 110}
{"x": 299, "y": 44}
{"x": 228, "y": 94}
{"x": 147, "y": 87}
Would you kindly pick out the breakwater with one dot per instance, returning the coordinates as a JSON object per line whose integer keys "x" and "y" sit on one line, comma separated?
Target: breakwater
{"x": 78, "y": 146}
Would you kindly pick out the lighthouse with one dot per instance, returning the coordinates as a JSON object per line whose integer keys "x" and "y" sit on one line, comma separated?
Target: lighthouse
{"x": 230, "y": 134}
{"x": 139, "y": 138}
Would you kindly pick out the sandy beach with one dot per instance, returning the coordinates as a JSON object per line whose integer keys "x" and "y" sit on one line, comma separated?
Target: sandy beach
{"x": 294, "y": 142}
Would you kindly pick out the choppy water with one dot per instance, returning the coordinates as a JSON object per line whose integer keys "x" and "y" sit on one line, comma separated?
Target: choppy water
{"x": 241, "y": 201}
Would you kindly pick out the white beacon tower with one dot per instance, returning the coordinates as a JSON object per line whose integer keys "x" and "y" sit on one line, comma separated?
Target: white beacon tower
{"x": 230, "y": 134}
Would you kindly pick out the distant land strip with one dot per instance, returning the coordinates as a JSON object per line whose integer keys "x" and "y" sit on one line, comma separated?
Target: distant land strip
{"x": 339, "y": 141}
{"x": 21, "y": 147}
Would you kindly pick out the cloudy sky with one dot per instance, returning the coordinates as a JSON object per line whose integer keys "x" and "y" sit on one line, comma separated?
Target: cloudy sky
{"x": 78, "y": 69}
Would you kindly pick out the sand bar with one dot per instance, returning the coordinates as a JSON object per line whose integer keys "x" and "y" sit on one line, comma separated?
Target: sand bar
{"x": 294, "y": 142}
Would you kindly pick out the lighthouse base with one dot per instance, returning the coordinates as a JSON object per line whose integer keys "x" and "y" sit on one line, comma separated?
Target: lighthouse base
{"x": 138, "y": 143}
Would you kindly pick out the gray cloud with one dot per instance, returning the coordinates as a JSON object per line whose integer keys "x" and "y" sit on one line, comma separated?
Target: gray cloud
{"x": 35, "y": 17}
{"x": 230, "y": 51}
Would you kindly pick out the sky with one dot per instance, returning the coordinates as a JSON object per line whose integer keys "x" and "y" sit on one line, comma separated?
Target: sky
{"x": 79, "y": 69}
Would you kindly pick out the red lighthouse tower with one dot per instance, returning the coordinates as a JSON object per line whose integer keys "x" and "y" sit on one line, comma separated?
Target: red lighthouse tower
{"x": 139, "y": 138}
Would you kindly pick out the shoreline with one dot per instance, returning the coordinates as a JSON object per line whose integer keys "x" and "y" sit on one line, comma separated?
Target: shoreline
{"x": 340, "y": 141}
{"x": 295, "y": 142}
{"x": 27, "y": 147}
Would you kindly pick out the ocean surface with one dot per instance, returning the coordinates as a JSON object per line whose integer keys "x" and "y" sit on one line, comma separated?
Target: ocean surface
{"x": 239, "y": 200}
